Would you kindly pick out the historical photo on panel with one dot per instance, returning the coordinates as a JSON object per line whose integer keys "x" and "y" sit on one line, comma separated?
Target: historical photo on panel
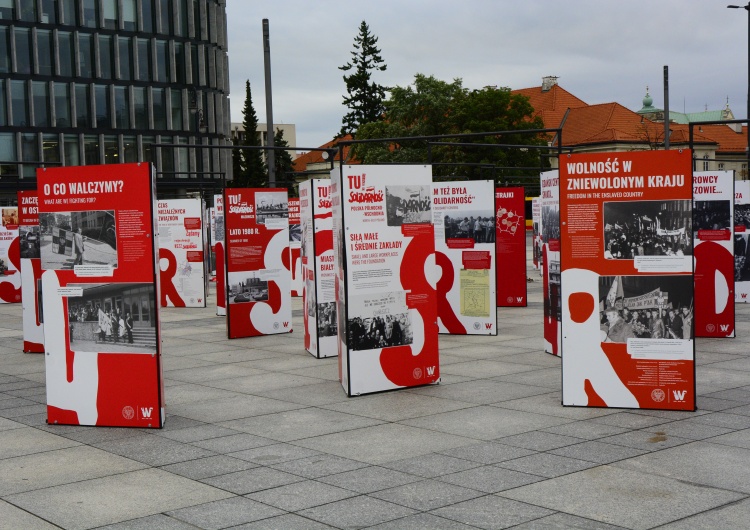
{"x": 112, "y": 317}
{"x": 78, "y": 238}
{"x": 647, "y": 228}
{"x": 271, "y": 205}
{"x": 550, "y": 222}
{"x": 246, "y": 287}
{"x": 30, "y": 241}
{"x": 327, "y": 321}
{"x": 478, "y": 226}
{"x": 645, "y": 307}
{"x": 379, "y": 320}
{"x": 408, "y": 204}
{"x": 711, "y": 215}
{"x": 9, "y": 216}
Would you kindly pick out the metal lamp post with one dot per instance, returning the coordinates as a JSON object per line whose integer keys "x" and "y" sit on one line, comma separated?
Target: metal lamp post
{"x": 747, "y": 8}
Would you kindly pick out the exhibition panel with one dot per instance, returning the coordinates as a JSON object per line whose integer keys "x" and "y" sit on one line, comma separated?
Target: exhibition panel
{"x": 510, "y": 222}
{"x": 295, "y": 247}
{"x": 550, "y": 230}
{"x": 741, "y": 243}
{"x": 100, "y": 295}
{"x": 219, "y": 252}
{"x": 536, "y": 239}
{"x": 10, "y": 256}
{"x": 627, "y": 277}
{"x": 31, "y": 271}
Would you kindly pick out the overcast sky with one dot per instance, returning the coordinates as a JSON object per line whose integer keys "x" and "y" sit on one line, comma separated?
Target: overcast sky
{"x": 601, "y": 50}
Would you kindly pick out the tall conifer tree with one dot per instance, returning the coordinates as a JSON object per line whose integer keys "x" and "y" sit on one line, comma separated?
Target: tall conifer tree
{"x": 250, "y": 170}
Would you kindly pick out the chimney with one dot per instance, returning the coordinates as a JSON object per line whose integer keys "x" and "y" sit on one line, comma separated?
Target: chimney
{"x": 548, "y": 82}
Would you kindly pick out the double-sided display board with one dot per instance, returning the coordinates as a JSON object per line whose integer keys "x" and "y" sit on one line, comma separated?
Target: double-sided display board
{"x": 536, "y": 238}
{"x": 100, "y": 295}
{"x": 10, "y": 256}
{"x": 219, "y": 252}
{"x": 295, "y": 247}
{"x": 259, "y": 298}
{"x": 510, "y": 222}
{"x": 741, "y": 243}
{"x": 384, "y": 248}
{"x": 463, "y": 213}
{"x": 181, "y": 253}
{"x": 31, "y": 271}
{"x": 713, "y": 244}
{"x": 318, "y": 295}
{"x": 550, "y": 244}
{"x": 627, "y": 277}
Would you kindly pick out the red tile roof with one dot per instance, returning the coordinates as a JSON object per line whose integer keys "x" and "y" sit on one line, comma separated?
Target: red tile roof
{"x": 316, "y": 157}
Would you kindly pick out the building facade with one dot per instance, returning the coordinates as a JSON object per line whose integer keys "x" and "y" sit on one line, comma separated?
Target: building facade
{"x": 100, "y": 81}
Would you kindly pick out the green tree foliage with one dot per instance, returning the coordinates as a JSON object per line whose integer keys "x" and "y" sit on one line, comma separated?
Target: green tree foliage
{"x": 249, "y": 169}
{"x": 433, "y": 107}
{"x": 284, "y": 165}
{"x": 364, "y": 98}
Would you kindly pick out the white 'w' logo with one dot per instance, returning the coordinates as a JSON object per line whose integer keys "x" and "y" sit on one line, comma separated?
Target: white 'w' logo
{"x": 679, "y": 395}
{"x": 146, "y": 412}
{"x": 430, "y": 370}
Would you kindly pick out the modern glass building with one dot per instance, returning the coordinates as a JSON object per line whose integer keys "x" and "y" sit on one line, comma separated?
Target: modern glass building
{"x": 99, "y": 81}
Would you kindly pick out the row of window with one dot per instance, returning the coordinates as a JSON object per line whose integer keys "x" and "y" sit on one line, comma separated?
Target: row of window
{"x": 87, "y": 149}
{"x": 67, "y": 105}
{"x": 197, "y": 19}
{"x": 86, "y": 55}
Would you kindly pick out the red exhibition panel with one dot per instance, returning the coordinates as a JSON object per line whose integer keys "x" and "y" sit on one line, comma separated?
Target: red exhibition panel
{"x": 257, "y": 262}
{"x": 384, "y": 247}
{"x": 627, "y": 280}
{"x": 31, "y": 271}
{"x": 100, "y": 295}
{"x": 295, "y": 246}
{"x": 10, "y": 256}
{"x": 713, "y": 241}
{"x": 510, "y": 225}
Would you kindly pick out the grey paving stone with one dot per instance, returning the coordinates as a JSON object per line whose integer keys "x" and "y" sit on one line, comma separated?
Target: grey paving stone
{"x": 115, "y": 498}
{"x": 211, "y": 466}
{"x": 489, "y": 479}
{"x": 486, "y": 368}
{"x": 234, "y": 443}
{"x": 734, "y": 515}
{"x": 550, "y": 404}
{"x": 224, "y": 513}
{"x": 369, "y": 479}
{"x": 12, "y": 517}
{"x": 261, "y": 383}
{"x": 546, "y": 465}
{"x": 629, "y": 420}
{"x": 710, "y": 464}
{"x": 618, "y": 496}
{"x": 431, "y": 465}
{"x": 396, "y": 406}
{"x": 95, "y": 435}
{"x": 230, "y": 408}
{"x": 18, "y": 442}
{"x": 27, "y": 410}
{"x": 586, "y": 429}
{"x": 485, "y": 422}
{"x": 318, "y": 465}
{"x": 427, "y": 494}
{"x": 356, "y": 512}
{"x": 716, "y": 404}
{"x": 491, "y": 512}
{"x": 487, "y": 452}
{"x": 301, "y": 495}
{"x": 293, "y": 425}
{"x": 384, "y": 443}
{"x": 309, "y": 395}
{"x": 289, "y": 521}
{"x": 646, "y": 440}
{"x": 422, "y": 521}
{"x": 549, "y": 378}
{"x": 273, "y": 454}
{"x": 597, "y": 452}
{"x": 160, "y": 521}
{"x": 539, "y": 440}
{"x": 724, "y": 420}
{"x": 63, "y": 466}
{"x": 196, "y": 434}
{"x": 252, "y": 480}
{"x": 15, "y": 402}
{"x": 154, "y": 450}
{"x": 564, "y": 521}
{"x": 7, "y": 425}
{"x": 484, "y": 391}
{"x": 689, "y": 429}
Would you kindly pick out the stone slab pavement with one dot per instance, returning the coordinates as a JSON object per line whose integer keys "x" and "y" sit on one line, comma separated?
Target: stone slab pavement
{"x": 259, "y": 435}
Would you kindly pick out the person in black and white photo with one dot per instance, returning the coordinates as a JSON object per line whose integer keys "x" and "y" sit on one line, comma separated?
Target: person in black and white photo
{"x": 327, "y": 319}
{"x": 379, "y": 331}
{"x": 69, "y": 238}
{"x": 550, "y": 223}
{"x": 711, "y": 215}
{"x": 474, "y": 225}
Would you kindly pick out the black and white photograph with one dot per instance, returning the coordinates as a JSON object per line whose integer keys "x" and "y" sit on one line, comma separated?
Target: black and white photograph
{"x": 647, "y": 228}
{"x": 550, "y": 223}
{"x": 742, "y": 215}
{"x": 113, "y": 317}
{"x": 271, "y": 205}
{"x": 295, "y": 232}
{"x": 379, "y": 331}
{"x": 219, "y": 228}
{"x": 244, "y": 287}
{"x": 78, "y": 238}
{"x": 327, "y": 321}
{"x": 476, "y": 225}
{"x": 711, "y": 215}
{"x": 645, "y": 307}
{"x": 9, "y": 216}
{"x": 408, "y": 205}
{"x": 310, "y": 301}
{"x": 30, "y": 241}
{"x": 741, "y": 262}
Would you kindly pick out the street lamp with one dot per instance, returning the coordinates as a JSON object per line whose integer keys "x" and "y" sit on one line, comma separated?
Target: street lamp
{"x": 747, "y": 8}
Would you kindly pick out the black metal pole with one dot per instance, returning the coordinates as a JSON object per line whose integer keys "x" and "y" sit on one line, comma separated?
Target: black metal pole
{"x": 270, "y": 155}
{"x": 666, "y": 108}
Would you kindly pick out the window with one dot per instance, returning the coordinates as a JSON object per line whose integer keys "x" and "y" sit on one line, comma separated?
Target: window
{"x": 19, "y": 104}
{"x": 3, "y": 114}
{"x": 7, "y": 9}
{"x": 102, "y": 106}
{"x": 131, "y": 149}
{"x": 128, "y": 15}
{"x": 23, "y": 50}
{"x": 148, "y": 156}
{"x": 122, "y": 108}
{"x": 147, "y": 8}
{"x": 45, "y": 52}
{"x": 106, "y": 60}
{"x": 50, "y": 148}
{"x": 8, "y": 147}
{"x": 144, "y": 60}
{"x": 111, "y": 150}
{"x": 159, "y": 107}
{"x": 721, "y": 166}
{"x": 69, "y": 12}
{"x": 86, "y": 55}
{"x": 67, "y": 56}
{"x": 91, "y": 149}
{"x": 140, "y": 108}
{"x": 49, "y": 11}
{"x": 30, "y": 147}
{"x": 90, "y": 13}
{"x": 4, "y": 50}
{"x": 62, "y": 105}
{"x": 179, "y": 62}
{"x": 197, "y": 18}
{"x": 194, "y": 59}
{"x": 109, "y": 7}
{"x": 176, "y": 104}
{"x": 28, "y": 11}
{"x": 165, "y": 16}
{"x": 40, "y": 98}
{"x": 181, "y": 25}
{"x": 182, "y": 158}
{"x": 705, "y": 162}
{"x": 167, "y": 156}
{"x": 162, "y": 61}
{"x": 126, "y": 58}
{"x": 70, "y": 146}
{"x": 83, "y": 111}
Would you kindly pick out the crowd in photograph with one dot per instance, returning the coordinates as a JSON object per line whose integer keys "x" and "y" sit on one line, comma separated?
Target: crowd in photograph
{"x": 480, "y": 229}
{"x": 550, "y": 224}
{"x": 711, "y": 215}
{"x": 631, "y": 240}
{"x": 618, "y": 325}
{"x": 112, "y": 325}
{"x": 378, "y": 332}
